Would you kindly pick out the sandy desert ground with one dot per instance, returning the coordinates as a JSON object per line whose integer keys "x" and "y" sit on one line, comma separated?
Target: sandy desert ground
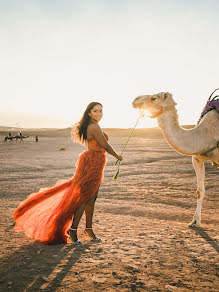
{"x": 141, "y": 218}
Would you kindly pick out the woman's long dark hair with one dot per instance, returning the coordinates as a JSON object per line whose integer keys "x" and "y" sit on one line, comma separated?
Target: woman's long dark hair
{"x": 79, "y": 130}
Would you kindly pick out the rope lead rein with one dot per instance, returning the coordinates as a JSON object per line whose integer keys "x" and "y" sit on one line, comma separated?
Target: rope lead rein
{"x": 118, "y": 161}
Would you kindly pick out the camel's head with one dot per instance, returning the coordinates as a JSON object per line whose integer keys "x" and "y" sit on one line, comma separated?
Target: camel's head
{"x": 155, "y": 104}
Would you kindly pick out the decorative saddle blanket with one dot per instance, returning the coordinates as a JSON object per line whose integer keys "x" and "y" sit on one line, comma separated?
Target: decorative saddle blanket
{"x": 210, "y": 105}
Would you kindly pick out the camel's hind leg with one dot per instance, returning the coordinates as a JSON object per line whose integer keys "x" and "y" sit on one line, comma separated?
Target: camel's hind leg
{"x": 200, "y": 192}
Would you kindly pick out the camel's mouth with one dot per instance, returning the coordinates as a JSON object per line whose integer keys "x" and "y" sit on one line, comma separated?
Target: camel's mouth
{"x": 139, "y": 103}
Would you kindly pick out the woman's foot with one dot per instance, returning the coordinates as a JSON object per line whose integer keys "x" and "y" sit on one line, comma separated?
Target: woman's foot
{"x": 72, "y": 233}
{"x": 90, "y": 233}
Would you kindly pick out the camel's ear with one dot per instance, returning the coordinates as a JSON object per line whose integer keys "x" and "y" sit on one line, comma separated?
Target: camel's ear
{"x": 166, "y": 94}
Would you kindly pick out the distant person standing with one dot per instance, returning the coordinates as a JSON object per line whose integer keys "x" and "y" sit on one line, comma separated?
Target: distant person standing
{"x": 36, "y": 138}
{"x": 20, "y": 134}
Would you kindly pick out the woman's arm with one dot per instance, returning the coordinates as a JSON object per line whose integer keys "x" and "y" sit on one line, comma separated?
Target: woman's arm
{"x": 94, "y": 131}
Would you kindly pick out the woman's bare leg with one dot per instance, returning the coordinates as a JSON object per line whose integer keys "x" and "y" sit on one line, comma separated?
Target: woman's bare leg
{"x": 89, "y": 211}
{"x": 76, "y": 219}
{"x": 88, "y": 206}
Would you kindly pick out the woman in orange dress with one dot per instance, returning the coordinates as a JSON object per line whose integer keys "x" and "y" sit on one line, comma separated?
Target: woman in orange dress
{"x": 53, "y": 214}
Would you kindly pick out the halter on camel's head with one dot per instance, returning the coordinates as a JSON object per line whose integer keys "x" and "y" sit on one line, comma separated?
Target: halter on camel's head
{"x": 156, "y": 104}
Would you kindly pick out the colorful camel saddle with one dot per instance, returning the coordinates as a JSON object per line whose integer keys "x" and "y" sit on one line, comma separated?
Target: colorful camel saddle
{"x": 210, "y": 105}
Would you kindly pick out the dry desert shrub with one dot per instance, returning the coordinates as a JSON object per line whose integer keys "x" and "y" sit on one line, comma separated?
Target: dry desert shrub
{"x": 62, "y": 149}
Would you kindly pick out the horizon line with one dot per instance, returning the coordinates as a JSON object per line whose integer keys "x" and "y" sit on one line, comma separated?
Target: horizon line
{"x": 36, "y": 128}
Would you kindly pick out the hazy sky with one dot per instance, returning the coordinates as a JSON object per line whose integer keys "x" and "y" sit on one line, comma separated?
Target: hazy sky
{"x": 57, "y": 56}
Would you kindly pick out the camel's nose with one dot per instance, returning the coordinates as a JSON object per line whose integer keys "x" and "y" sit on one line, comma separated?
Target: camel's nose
{"x": 137, "y": 103}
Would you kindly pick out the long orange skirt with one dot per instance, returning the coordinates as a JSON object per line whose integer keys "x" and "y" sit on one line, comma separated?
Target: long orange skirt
{"x": 46, "y": 216}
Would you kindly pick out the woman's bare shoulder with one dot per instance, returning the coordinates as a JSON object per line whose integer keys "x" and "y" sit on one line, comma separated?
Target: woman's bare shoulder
{"x": 93, "y": 127}
{"x": 93, "y": 130}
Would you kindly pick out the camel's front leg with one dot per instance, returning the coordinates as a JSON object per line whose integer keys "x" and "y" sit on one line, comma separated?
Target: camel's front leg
{"x": 200, "y": 192}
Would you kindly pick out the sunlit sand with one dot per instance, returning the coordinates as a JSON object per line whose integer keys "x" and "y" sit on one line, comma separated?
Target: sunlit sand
{"x": 141, "y": 218}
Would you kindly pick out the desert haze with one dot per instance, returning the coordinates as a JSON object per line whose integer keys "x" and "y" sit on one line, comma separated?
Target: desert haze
{"x": 141, "y": 218}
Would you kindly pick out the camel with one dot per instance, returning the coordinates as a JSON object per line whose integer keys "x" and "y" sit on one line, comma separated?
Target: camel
{"x": 10, "y": 138}
{"x": 195, "y": 142}
{"x": 21, "y": 138}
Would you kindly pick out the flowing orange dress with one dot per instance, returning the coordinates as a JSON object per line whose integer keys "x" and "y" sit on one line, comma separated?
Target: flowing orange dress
{"x": 47, "y": 215}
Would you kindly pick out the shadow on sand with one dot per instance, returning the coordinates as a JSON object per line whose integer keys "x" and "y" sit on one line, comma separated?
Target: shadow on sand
{"x": 201, "y": 232}
{"x": 37, "y": 262}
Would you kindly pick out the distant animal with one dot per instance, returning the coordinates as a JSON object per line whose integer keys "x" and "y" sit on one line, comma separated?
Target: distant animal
{"x": 19, "y": 137}
{"x": 202, "y": 141}
{"x": 10, "y": 138}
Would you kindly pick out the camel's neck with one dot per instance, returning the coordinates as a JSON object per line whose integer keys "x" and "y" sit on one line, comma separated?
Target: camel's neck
{"x": 180, "y": 139}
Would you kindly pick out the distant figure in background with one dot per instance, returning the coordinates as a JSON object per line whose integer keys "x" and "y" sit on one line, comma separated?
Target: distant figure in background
{"x": 20, "y": 137}
{"x": 53, "y": 214}
{"x": 36, "y": 138}
{"x": 9, "y": 137}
